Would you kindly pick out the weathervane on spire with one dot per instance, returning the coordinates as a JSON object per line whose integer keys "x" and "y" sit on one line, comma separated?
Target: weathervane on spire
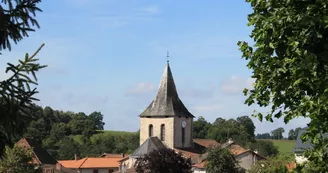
{"x": 167, "y": 56}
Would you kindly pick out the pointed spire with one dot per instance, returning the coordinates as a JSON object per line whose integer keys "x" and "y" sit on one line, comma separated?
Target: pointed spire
{"x": 167, "y": 101}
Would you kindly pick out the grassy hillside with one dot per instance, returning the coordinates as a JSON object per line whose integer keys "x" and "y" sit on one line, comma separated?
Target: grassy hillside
{"x": 285, "y": 147}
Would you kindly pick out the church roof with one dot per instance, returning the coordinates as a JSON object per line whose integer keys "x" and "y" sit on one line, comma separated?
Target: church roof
{"x": 167, "y": 101}
{"x": 151, "y": 144}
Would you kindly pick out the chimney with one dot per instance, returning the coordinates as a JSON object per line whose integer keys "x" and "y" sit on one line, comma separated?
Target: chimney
{"x": 230, "y": 141}
{"x": 58, "y": 166}
{"x": 76, "y": 156}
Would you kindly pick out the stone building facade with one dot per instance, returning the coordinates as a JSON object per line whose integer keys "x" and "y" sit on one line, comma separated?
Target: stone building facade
{"x": 166, "y": 117}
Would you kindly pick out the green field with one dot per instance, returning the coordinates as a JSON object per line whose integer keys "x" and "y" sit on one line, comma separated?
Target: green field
{"x": 285, "y": 147}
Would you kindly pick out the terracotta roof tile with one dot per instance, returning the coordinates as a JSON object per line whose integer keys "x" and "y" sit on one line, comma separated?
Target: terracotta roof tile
{"x": 101, "y": 163}
{"x": 72, "y": 163}
{"x": 205, "y": 142}
{"x": 91, "y": 162}
{"x": 200, "y": 165}
{"x": 237, "y": 149}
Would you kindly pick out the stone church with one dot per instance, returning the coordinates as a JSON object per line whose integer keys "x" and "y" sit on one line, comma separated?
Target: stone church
{"x": 167, "y": 123}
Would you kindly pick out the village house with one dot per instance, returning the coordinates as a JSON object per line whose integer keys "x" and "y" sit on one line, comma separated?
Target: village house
{"x": 41, "y": 157}
{"x": 106, "y": 163}
{"x": 301, "y": 147}
{"x": 167, "y": 123}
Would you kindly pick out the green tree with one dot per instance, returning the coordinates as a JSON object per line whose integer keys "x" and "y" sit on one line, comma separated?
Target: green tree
{"x": 200, "y": 128}
{"x": 58, "y": 131}
{"x": 248, "y": 125}
{"x": 163, "y": 161}
{"x": 271, "y": 165}
{"x": 17, "y": 20}
{"x": 97, "y": 118}
{"x": 221, "y": 130}
{"x": 17, "y": 160}
{"x": 265, "y": 148}
{"x": 289, "y": 64}
{"x": 37, "y": 130}
{"x": 220, "y": 160}
{"x": 277, "y": 133}
{"x": 82, "y": 124}
{"x": 263, "y": 136}
{"x": 292, "y": 134}
{"x": 67, "y": 147}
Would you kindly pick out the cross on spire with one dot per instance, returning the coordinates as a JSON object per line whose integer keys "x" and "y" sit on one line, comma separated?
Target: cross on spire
{"x": 167, "y": 56}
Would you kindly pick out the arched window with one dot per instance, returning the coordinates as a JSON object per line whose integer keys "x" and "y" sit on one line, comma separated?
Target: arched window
{"x": 183, "y": 135}
{"x": 163, "y": 132}
{"x": 150, "y": 130}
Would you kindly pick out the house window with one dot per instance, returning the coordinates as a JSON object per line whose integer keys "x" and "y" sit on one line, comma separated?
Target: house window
{"x": 183, "y": 135}
{"x": 163, "y": 132}
{"x": 95, "y": 171}
{"x": 150, "y": 130}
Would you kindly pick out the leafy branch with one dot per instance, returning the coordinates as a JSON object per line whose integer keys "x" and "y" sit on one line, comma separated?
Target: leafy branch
{"x": 17, "y": 95}
{"x": 16, "y": 20}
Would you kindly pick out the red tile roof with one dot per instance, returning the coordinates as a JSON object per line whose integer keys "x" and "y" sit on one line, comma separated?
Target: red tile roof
{"x": 91, "y": 162}
{"x": 205, "y": 142}
{"x": 236, "y": 149}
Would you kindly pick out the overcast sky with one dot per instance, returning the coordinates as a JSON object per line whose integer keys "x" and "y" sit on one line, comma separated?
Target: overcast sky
{"x": 109, "y": 56}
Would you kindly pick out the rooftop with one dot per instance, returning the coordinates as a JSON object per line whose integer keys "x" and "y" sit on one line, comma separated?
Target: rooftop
{"x": 91, "y": 162}
{"x": 167, "y": 101}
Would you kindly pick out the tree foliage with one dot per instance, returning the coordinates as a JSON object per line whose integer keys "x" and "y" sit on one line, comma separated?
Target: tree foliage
{"x": 277, "y": 133}
{"x": 265, "y": 148}
{"x": 271, "y": 165}
{"x": 289, "y": 64}
{"x": 16, "y": 160}
{"x": 16, "y": 21}
{"x": 17, "y": 97}
{"x": 263, "y": 136}
{"x": 220, "y": 160}
{"x": 292, "y": 134}
{"x": 241, "y": 131}
{"x": 200, "y": 128}
{"x": 163, "y": 161}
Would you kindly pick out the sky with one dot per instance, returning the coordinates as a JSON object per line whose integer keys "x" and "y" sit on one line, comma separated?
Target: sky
{"x": 109, "y": 56}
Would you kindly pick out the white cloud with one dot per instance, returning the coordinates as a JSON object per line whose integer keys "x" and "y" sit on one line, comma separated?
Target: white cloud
{"x": 153, "y": 9}
{"x": 236, "y": 84}
{"x": 142, "y": 88}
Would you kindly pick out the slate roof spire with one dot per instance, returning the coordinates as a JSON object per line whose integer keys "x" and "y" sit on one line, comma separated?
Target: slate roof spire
{"x": 167, "y": 101}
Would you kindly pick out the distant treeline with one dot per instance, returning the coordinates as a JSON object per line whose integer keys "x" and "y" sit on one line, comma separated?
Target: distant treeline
{"x": 64, "y": 134}
{"x": 277, "y": 134}
{"x": 241, "y": 130}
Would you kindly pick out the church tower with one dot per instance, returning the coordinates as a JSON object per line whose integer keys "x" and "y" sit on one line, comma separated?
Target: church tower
{"x": 166, "y": 117}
